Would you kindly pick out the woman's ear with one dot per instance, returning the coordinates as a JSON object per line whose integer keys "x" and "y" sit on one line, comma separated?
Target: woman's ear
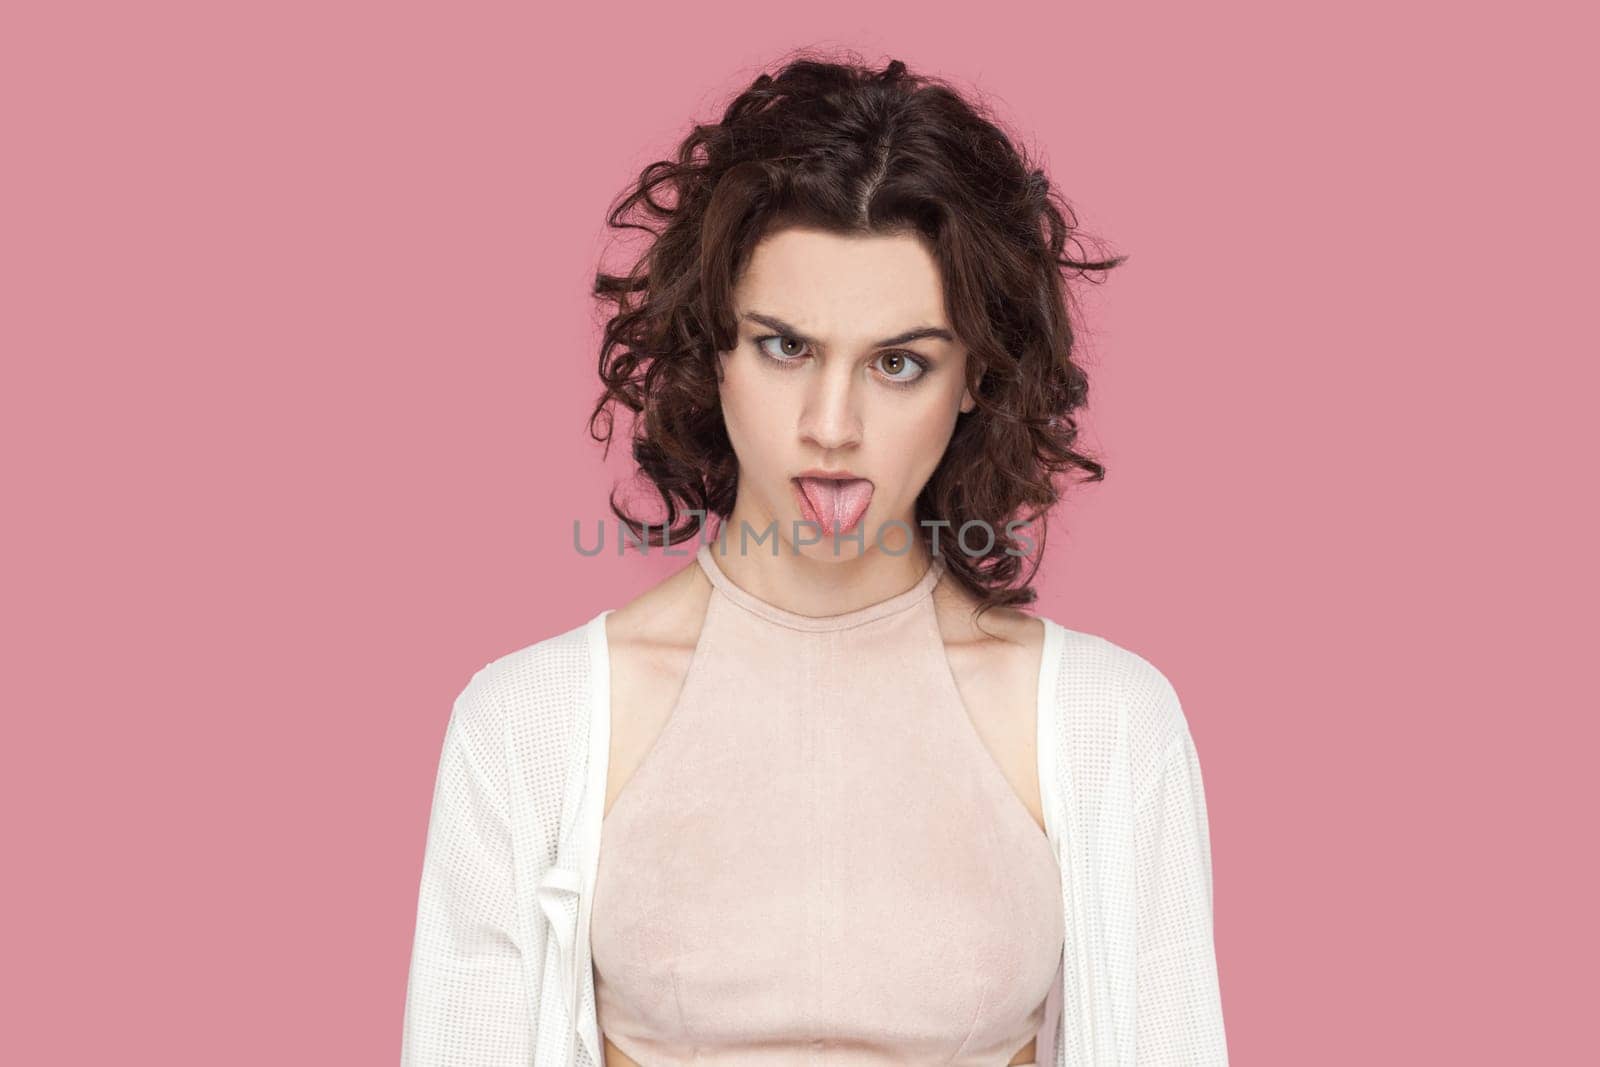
{"x": 967, "y": 403}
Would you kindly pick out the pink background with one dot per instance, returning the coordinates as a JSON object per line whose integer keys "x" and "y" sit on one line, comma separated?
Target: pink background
{"x": 298, "y": 356}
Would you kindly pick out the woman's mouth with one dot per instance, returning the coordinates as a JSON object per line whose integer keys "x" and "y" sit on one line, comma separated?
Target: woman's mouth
{"x": 835, "y": 504}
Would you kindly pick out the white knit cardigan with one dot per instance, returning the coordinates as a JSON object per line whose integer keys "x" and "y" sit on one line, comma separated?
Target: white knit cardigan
{"x": 500, "y": 972}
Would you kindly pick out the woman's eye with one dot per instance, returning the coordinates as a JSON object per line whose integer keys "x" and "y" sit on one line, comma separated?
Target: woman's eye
{"x": 900, "y": 368}
{"x": 783, "y": 353}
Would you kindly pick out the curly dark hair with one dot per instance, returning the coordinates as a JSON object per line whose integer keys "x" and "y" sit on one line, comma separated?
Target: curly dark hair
{"x": 832, "y": 144}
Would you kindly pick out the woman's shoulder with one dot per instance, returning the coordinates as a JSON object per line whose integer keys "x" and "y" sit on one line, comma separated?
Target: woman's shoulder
{"x": 555, "y": 676}
{"x": 666, "y": 615}
{"x": 532, "y": 696}
{"x": 561, "y": 658}
{"x": 1089, "y": 679}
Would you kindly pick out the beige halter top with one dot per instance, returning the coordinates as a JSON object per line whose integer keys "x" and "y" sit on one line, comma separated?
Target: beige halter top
{"x": 818, "y": 860}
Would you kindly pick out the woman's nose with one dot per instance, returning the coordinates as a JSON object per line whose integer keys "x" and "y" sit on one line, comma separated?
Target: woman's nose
{"x": 831, "y": 419}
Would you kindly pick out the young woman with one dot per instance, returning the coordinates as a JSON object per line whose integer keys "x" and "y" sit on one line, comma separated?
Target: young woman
{"x": 825, "y": 795}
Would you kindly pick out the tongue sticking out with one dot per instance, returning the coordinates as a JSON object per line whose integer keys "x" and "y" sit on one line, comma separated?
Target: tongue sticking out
{"x": 838, "y": 503}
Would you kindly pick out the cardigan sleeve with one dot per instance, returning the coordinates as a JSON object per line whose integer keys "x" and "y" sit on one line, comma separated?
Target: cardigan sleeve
{"x": 1179, "y": 1006}
{"x": 465, "y": 996}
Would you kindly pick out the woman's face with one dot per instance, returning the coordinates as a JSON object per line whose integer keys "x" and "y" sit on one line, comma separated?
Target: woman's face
{"x": 840, "y": 366}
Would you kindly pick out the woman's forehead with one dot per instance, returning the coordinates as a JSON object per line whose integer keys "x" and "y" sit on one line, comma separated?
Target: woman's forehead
{"x": 843, "y": 288}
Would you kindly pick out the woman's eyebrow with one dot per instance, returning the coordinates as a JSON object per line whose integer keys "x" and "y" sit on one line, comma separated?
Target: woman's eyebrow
{"x": 772, "y": 322}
